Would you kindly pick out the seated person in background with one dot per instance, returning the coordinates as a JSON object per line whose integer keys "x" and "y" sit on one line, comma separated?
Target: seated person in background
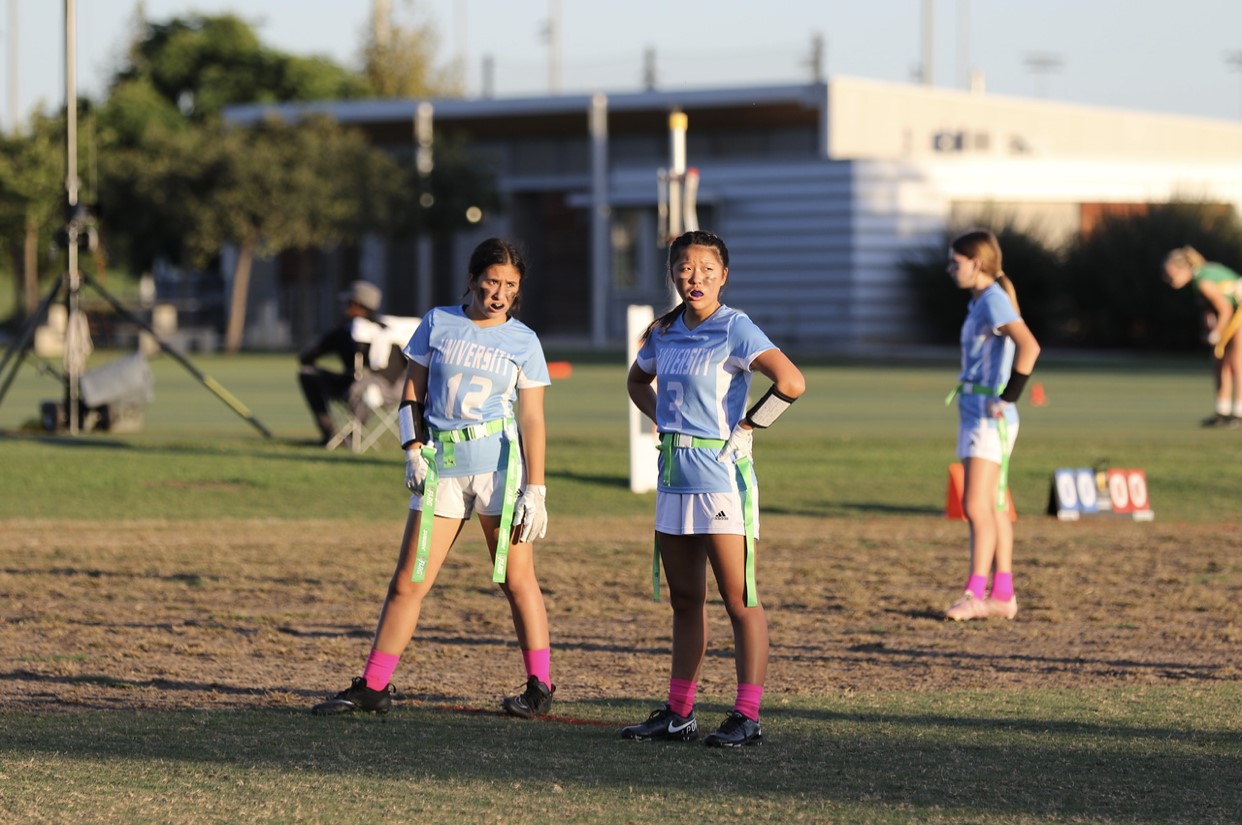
{"x": 322, "y": 386}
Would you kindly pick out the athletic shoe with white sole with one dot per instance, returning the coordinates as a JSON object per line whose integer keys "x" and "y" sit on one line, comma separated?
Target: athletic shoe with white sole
{"x": 536, "y": 700}
{"x": 969, "y": 606}
{"x": 1002, "y": 610}
{"x": 663, "y": 726}
{"x": 357, "y": 698}
{"x": 736, "y": 731}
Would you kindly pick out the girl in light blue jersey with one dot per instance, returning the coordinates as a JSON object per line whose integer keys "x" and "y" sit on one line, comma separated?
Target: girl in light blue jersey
{"x": 701, "y": 356}
{"x": 998, "y": 354}
{"x": 469, "y": 449}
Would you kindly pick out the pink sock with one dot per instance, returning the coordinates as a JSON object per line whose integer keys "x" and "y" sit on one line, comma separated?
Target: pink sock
{"x": 380, "y": 666}
{"x": 539, "y": 664}
{"x": 1002, "y": 587}
{"x": 977, "y": 585}
{"x": 681, "y": 696}
{"x": 747, "y": 703}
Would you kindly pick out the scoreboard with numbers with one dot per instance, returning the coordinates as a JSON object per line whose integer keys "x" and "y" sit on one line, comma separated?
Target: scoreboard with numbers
{"x": 1079, "y": 492}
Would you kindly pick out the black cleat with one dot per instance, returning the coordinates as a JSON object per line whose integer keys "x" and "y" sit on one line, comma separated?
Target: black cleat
{"x": 357, "y": 698}
{"x": 735, "y": 731}
{"x": 536, "y": 700}
{"x": 663, "y": 726}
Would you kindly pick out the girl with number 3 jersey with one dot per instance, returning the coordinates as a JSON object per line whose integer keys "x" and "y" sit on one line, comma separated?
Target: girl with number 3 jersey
{"x": 701, "y": 356}
{"x": 998, "y": 354}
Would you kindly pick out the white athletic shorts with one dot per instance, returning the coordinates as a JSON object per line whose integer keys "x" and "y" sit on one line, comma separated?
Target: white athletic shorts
{"x": 980, "y": 438}
{"x": 684, "y": 514}
{"x": 460, "y": 496}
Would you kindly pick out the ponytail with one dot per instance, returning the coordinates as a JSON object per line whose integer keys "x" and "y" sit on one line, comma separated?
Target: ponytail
{"x": 662, "y": 323}
{"x": 1007, "y": 285}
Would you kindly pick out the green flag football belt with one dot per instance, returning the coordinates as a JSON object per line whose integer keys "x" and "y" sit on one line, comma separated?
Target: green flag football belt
{"x": 445, "y": 440}
{"x": 669, "y": 443}
{"x": 1002, "y": 430}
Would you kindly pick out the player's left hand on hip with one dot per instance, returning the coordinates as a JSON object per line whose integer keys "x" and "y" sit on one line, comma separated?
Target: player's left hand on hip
{"x": 739, "y": 445}
{"x": 531, "y": 511}
{"x": 996, "y": 408}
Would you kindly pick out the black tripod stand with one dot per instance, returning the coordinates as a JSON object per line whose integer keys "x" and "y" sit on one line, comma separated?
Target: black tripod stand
{"x": 19, "y": 350}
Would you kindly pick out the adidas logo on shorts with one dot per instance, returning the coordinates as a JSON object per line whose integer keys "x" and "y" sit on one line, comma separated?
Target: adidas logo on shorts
{"x": 721, "y": 516}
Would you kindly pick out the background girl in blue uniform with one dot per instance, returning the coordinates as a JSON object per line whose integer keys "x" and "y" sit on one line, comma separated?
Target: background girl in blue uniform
{"x": 466, "y": 451}
{"x": 998, "y": 354}
{"x": 701, "y": 355}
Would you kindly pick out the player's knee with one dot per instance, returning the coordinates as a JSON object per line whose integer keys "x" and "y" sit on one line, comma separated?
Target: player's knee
{"x": 735, "y": 606}
{"x": 684, "y": 600}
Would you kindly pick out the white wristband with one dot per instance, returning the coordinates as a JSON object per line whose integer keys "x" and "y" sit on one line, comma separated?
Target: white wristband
{"x": 405, "y": 423}
{"x": 768, "y": 408}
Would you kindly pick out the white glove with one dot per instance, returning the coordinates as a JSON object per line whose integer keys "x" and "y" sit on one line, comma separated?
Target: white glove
{"x": 415, "y": 470}
{"x": 531, "y": 511}
{"x": 739, "y": 445}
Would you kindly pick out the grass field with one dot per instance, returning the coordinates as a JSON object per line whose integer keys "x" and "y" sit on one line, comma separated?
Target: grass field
{"x": 172, "y": 601}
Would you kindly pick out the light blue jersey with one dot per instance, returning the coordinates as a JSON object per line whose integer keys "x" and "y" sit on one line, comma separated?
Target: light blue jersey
{"x": 987, "y": 353}
{"x": 473, "y": 376}
{"x": 702, "y": 378}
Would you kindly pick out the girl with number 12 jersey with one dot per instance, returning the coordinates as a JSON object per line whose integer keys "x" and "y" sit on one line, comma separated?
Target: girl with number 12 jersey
{"x": 468, "y": 449}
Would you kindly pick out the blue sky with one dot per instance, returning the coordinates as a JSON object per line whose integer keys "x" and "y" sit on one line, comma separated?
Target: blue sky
{"x": 1152, "y": 55}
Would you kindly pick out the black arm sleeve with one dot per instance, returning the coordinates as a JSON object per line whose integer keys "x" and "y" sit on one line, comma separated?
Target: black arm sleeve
{"x": 1013, "y": 390}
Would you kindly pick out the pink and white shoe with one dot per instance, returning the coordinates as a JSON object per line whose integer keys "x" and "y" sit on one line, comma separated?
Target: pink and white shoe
{"x": 1002, "y": 610}
{"x": 969, "y": 606}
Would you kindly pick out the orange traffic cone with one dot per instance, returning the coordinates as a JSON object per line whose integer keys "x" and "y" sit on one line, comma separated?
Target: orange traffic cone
{"x": 1038, "y": 398}
{"x": 953, "y": 496}
{"x": 957, "y": 488}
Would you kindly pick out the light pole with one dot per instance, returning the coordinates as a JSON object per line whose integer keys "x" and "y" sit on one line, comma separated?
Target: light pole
{"x": 74, "y": 347}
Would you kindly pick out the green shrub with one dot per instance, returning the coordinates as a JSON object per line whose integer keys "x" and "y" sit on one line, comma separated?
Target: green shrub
{"x": 1114, "y": 275}
{"x": 1032, "y": 265}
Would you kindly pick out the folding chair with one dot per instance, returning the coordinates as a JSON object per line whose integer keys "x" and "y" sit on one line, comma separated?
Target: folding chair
{"x": 369, "y": 413}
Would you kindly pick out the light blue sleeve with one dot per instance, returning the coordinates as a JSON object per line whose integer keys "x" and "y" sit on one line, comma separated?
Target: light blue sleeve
{"x": 646, "y": 357}
{"x": 746, "y": 343}
{"x": 532, "y": 364}
{"x": 998, "y": 309}
{"x": 418, "y": 348}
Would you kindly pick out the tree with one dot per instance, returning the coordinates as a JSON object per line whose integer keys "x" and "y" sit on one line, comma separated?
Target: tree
{"x": 32, "y": 197}
{"x": 1114, "y": 274}
{"x": 398, "y": 59}
{"x": 199, "y": 64}
{"x": 1034, "y": 267}
{"x": 278, "y": 186}
{"x": 179, "y": 76}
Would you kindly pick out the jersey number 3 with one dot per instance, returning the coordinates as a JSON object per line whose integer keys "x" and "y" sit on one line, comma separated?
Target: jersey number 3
{"x": 676, "y": 394}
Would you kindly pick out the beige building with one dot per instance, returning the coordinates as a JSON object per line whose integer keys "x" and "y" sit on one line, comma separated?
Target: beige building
{"x": 820, "y": 190}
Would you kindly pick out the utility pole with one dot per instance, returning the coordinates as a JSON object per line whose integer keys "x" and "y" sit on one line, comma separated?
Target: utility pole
{"x": 1041, "y": 65}
{"x": 13, "y": 45}
{"x": 928, "y": 72}
{"x": 1234, "y": 59}
{"x": 818, "y": 57}
{"x": 552, "y": 33}
{"x": 963, "y": 44}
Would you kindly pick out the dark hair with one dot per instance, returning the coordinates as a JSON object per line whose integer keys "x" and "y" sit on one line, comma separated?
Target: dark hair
{"x": 493, "y": 252}
{"x": 695, "y": 237}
